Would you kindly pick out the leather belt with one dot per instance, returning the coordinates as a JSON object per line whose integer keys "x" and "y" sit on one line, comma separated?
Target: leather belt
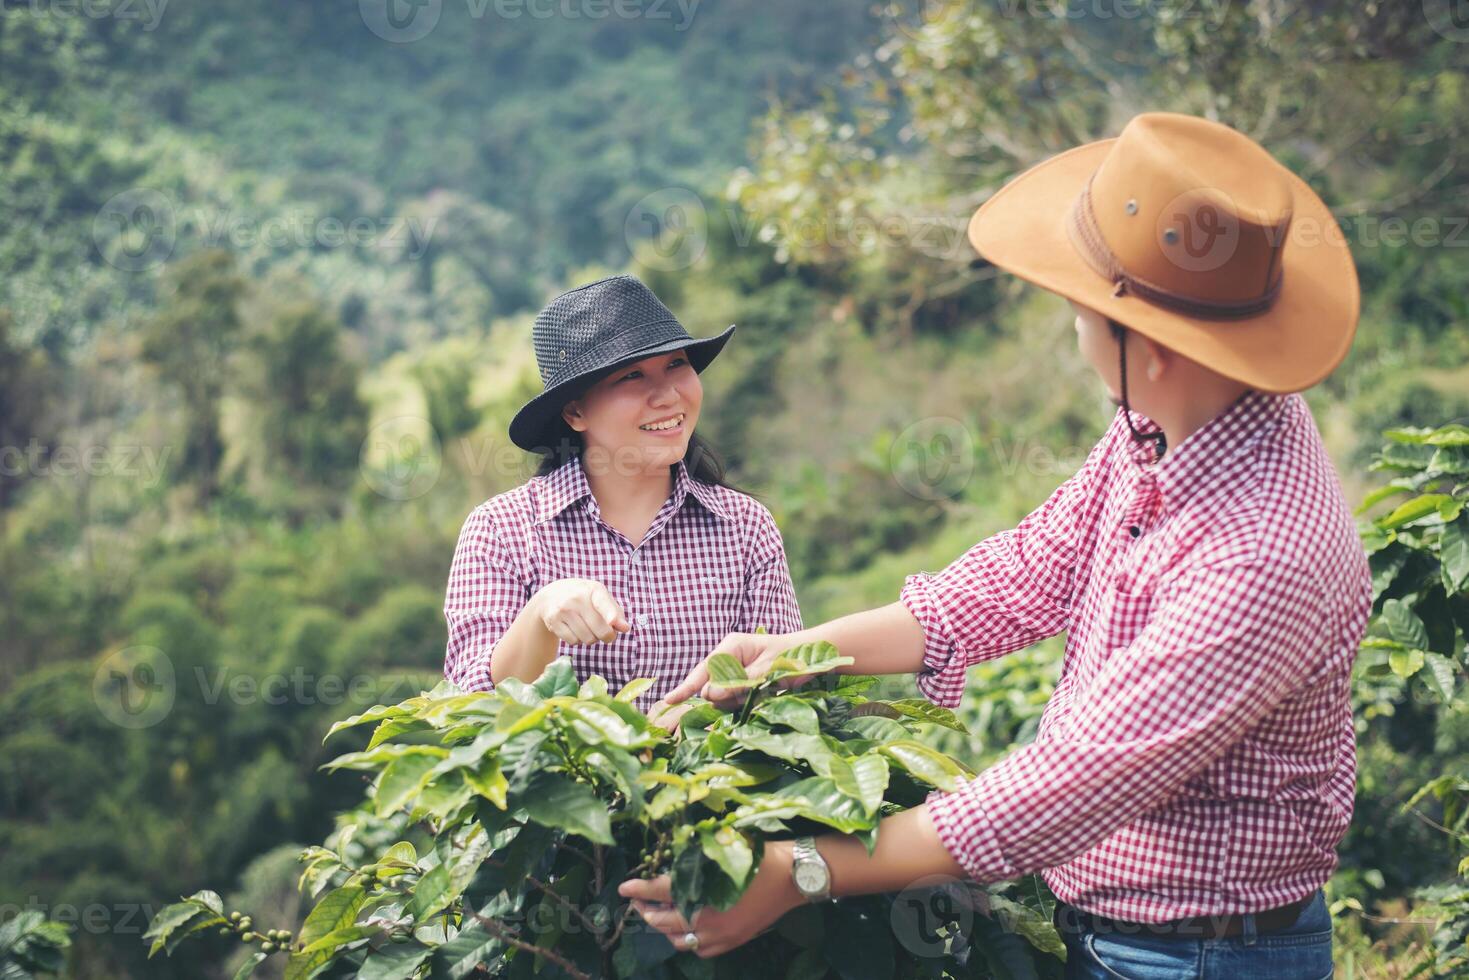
{"x": 1069, "y": 918}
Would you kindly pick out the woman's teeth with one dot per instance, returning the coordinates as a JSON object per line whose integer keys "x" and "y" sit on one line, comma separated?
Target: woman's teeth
{"x": 674, "y": 422}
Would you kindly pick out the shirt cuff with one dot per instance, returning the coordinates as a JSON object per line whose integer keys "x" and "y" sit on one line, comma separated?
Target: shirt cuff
{"x": 969, "y": 835}
{"x": 942, "y": 678}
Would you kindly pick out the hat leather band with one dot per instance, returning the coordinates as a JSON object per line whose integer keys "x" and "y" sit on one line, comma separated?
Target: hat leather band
{"x": 1086, "y": 235}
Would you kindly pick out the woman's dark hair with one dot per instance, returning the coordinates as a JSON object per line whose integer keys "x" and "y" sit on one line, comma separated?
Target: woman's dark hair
{"x": 565, "y": 443}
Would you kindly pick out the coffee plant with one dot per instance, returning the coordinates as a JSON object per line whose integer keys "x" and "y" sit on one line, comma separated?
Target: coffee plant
{"x": 30, "y": 945}
{"x": 1419, "y": 554}
{"x": 531, "y": 803}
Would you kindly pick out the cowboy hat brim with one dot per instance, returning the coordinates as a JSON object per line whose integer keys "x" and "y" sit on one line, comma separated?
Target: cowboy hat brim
{"x": 1291, "y": 346}
{"x": 532, "y": 424}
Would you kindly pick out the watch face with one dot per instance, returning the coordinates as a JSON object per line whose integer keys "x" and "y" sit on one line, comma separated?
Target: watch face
{"x": 810, "y": 878}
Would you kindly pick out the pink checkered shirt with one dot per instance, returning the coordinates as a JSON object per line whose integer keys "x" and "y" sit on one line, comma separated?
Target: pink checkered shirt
{"x": 1197, "y": 756}
{"x": 712, "y": 563}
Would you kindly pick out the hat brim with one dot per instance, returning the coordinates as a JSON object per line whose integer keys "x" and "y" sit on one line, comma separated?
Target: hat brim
{"x": 1293, "y": 345}
{"x": 531, "y": 426}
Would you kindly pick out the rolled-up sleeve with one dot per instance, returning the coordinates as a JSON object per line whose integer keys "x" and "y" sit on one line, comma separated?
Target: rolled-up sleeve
{"x": 770, "y": 595}
{"x": 1011, "y": 589}
{"x": 484, "y": 595}
{"x": 1223, "y": 647}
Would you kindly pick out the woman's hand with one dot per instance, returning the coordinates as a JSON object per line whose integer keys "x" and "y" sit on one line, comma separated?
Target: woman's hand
{"x": 580, "y": 611}
{"x": 771, "y": 895}
{"x": 757, "y": 651}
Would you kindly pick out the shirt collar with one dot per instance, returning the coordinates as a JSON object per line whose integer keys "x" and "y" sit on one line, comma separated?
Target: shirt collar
{"x": 567, "y": 485}
{"x": 1205, "y": 456}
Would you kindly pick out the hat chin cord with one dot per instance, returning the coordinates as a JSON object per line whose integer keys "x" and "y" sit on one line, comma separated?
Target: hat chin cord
{"x": 1159, "y": 438}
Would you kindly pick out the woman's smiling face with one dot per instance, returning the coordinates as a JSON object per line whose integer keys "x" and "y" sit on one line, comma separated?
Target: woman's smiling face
{"x": 642, "y": 414}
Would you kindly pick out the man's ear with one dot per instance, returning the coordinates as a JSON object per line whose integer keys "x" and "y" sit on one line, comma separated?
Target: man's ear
{"x": 572, "y": 414}
{"x": 1157, "y": 359}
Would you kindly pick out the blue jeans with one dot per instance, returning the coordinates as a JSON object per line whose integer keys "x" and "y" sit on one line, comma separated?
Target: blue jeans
{"x": 1298, "y": 952}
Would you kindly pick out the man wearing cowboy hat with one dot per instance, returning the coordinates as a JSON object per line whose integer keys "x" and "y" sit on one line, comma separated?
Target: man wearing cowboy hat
{"x": 1195, "y": 766}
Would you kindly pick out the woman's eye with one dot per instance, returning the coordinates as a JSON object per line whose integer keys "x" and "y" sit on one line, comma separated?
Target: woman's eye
{"x": 630, "y": 375}
{"x": 677, "y": 362}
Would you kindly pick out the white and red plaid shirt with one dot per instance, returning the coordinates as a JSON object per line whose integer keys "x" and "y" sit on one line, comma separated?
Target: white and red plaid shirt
{"x": 1197, "y": 756}
{"x": 711, "y": 563}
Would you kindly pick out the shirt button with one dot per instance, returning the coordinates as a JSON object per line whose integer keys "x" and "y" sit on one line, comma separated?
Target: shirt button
{"x": 1134, "y": 530}
{"x": 637, "y": 557}
{"x": 642, "y": 619}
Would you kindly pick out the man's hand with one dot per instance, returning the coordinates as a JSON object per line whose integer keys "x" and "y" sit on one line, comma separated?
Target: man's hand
{"x": 755, "y": 650}
{"x": 771, "y": 895}
{"x": 666, "y": 716}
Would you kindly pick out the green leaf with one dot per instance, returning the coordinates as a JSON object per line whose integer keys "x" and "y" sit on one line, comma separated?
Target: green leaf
{"x": 796, "y": 748}
{"x": 554, "y": 800}
{"x": 633, "y": 688}
{"x": 338, "y": 910}
{"x": 168, "y": 919}
{"x": 1415, "y": 510}
{"x": 871, "y": 775}
{"x": 467, "y": 862}
{"x": 1035, "y": 927}
{"x": 1452, "y": 460}
{"x": 1404, "y": 624}
{"x": 402, "y": 780}
{"x": 726, "y": 671}
{"x": 877, "y": 729}
{"x": 792, "y": 712}
{"x": 1454, "y": 553}
{"x": 463, "y": 954}
{"x": 929, "y": 713}
{"x": 432, "y": 895}
{"x": 383, "y": 755}
{"x": 1408, "y": 435}
{"x": 927, "y": 764}
{"x": 1405, "y": 663}
{"x": 1453, "y": 434}
{"x": 488, "y": 781}
{"x": 1440, "y": 675}
{"x": 596, "y": 723}
{"x": 557, "y": 680}
{"x": 337, "y": 938}
{"x": 729, "y": 849}
{"x": 394, "y": 961}
{"x": 826, "y": 804}
{"x": 247, "y": 968}
{"x": 377, "y": 712}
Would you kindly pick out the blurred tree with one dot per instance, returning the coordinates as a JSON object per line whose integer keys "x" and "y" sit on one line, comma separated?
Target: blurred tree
{"x": 312, "y": 418}
{"x": 190, "y": 341}
{"x": 27, "y": 381}
{"x": 446, "y": 388}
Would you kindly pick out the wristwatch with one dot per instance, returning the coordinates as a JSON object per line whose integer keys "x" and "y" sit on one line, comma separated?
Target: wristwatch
{"x": 809, "y": 870}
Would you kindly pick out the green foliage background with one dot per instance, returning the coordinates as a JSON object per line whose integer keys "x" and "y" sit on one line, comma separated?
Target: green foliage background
{"x": 286, "y": 428}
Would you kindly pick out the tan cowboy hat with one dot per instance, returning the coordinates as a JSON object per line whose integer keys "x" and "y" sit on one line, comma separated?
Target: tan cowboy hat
{"x": 1190, "y": 233}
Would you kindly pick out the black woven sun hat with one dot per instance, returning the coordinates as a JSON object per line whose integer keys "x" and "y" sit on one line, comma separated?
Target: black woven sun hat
{"x": 587, "y": 332}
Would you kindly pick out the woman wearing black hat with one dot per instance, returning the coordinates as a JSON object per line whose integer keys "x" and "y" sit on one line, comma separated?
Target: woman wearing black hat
{"x": 627, "y": 551}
